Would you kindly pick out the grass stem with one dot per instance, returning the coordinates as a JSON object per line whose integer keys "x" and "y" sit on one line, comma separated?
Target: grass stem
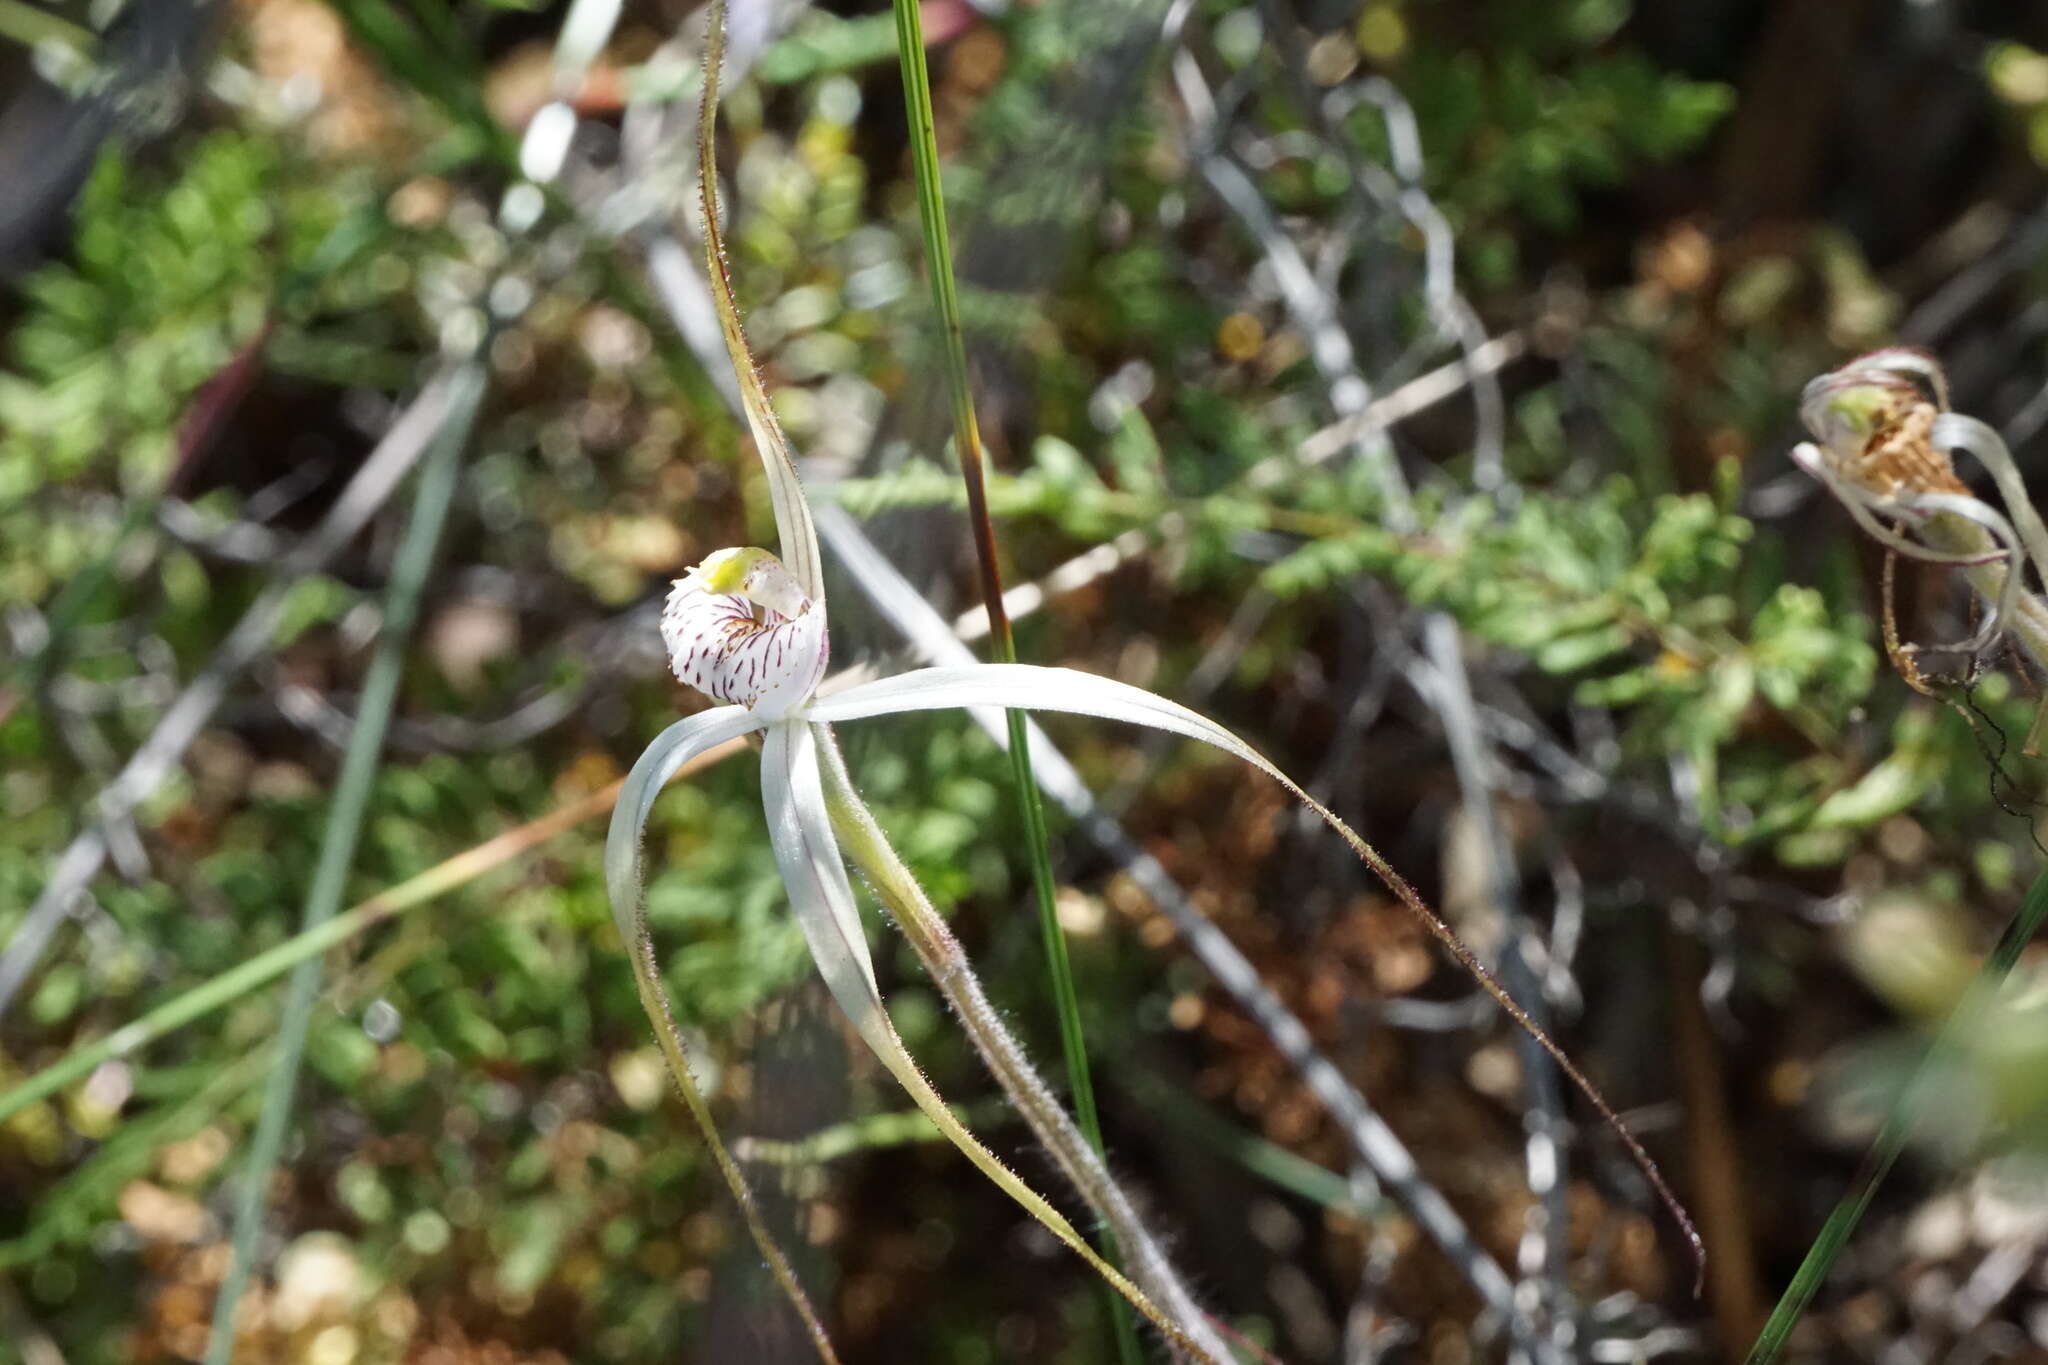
{"x": 917, "y": 98}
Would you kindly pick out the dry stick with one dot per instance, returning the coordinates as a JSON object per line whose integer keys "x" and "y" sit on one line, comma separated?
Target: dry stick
{"x": 1335, "y": 359}
{"x": 188, "y": 714}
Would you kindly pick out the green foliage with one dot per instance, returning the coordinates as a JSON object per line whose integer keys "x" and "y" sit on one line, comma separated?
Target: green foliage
{"x": 1522, "y": 129}
{"x": 171, "y": 277}
{"x": 1514, "y": 138}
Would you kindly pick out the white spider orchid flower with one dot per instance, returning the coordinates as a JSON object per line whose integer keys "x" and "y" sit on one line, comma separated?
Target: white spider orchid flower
{"x": 1883, "y": 445}
{"x": 740, "y": 628}
{"x": 751, "y": 631}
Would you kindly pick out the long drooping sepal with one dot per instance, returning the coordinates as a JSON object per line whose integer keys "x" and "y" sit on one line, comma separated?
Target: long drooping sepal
{"x": 792, "y": 513}
{"x": 800, "y": 828}
{"x": 657, "y": 763}
{"x": 947, "y": 965}
{"x": 676, "y": 746}
{"x": 1063, "y": 689}
{"x": 812, "y": 869}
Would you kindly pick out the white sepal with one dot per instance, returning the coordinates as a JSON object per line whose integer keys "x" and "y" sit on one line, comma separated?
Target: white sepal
{"x": 800, "y": 829}
{"x": 672, "y": 748}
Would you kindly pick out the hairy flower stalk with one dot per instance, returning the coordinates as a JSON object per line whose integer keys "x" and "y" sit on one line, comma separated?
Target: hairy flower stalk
{"x": 946, "y": 962}
{"x": 1883, "y": 445}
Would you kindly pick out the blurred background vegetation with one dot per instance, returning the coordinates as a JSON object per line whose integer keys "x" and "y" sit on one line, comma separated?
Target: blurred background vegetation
{"x": 1237, "y": 274}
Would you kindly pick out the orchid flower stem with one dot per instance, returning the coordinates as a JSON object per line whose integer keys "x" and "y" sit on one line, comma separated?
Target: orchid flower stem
{"x": 862, "y": 839}
{"x": 931, "y": 204}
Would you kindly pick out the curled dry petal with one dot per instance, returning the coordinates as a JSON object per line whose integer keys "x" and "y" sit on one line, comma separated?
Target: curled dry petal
{"x": 740, "y": 629}
{"x": 1884, "y": 444}
{"x": 1875, "y": 429}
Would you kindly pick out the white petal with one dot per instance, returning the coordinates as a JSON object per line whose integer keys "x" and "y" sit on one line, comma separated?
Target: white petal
{"x": 671, "y": 749}
{"x": 793, "y": 792}
{"x": 1029, "y": 687}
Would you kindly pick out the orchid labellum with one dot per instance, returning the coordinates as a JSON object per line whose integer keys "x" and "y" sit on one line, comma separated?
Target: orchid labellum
{"x": 751, "y": 631}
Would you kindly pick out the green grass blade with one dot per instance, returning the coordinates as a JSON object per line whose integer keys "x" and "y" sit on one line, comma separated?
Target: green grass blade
{"x": 1891, "y": 1139}
{"x": 931, "y": 207}
{"x": 431, "y": 499}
